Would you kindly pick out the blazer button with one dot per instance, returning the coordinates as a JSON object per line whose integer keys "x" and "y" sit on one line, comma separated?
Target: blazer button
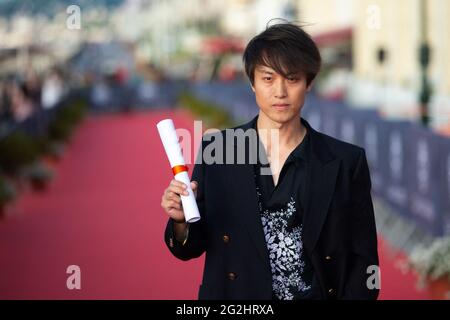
{"x": 226, "y": 238}
{"x": 232, "y": 276}
{"x": 328, "y": 258}
{"x": 171, "y": 242}
{"x": 330, "y": 291}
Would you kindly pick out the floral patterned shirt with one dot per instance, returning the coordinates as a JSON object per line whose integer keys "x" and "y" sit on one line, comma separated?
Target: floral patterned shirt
{"x": 281, "y": 216}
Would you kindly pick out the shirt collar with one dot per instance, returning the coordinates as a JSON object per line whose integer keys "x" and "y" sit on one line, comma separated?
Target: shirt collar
{"x": 301, "y": 151}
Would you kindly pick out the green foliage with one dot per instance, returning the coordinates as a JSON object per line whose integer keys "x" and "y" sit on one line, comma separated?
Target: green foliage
{"x": 74, "y": 112}
{"x": 433, "y": 261}
{"x": 42, "y": 144}
{"x": 214, "y": 115}
{"x": 16, "y": 150}
{"x": 60, "y": 130}
{"x": 55, "y": 150}
{"x": 66, "y": 119}
{"x": 37, "y": 172}
{"x": 7, "y": 192}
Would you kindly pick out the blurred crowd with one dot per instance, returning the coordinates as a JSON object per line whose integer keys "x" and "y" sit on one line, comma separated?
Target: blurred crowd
{"x": 21, "y": 96}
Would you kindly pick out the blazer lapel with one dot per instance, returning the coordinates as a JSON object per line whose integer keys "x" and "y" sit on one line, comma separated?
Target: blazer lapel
{"x": 251, "y": 218}
{"x": 320, "y": 184}
{"x": 249, "y": 210}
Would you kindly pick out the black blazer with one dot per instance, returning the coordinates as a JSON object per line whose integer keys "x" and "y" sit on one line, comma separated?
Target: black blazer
{"x": 339, "y": 233}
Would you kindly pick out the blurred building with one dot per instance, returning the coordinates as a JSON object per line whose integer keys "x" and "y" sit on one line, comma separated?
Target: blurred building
{"x": 387, "y": 71}
{"x": 386, "y": 37}
{"x": 326, "y": 15}
{"x": 370, "y": 47}
{"x": 246, "y": 18}
{"x": 331, "y": 24}
{"x": 169, "y": 30}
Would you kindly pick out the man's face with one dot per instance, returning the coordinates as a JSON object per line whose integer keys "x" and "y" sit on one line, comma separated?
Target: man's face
{"x": 280, "y": 99}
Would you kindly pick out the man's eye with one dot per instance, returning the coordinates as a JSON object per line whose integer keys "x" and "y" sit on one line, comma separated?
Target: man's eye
{"x": 267, "y": 78}
{"x": 291, "y": 79}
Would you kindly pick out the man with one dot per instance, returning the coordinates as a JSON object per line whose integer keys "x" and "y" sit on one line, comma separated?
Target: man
{"x": 306, "y": 230}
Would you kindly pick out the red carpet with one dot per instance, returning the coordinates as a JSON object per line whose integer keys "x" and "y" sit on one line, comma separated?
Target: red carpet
{"x": 397, "y": 283}
{"x": 102, "y": 212}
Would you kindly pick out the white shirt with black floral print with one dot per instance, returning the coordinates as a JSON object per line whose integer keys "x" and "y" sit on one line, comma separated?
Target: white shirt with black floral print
{"x": 285, "y": 251}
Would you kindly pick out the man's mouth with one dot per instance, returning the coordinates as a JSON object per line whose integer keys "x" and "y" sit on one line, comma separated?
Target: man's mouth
{"x": 280, "y": 105}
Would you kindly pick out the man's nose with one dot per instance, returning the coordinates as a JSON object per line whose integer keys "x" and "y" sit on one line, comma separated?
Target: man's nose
{"x": 280, "y": 89}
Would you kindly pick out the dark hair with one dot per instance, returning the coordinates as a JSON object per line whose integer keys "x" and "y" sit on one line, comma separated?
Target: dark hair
{"x": 284, "y": 47}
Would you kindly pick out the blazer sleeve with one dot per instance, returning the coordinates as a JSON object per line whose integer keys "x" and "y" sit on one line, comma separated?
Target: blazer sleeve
{"x": 195, "y": 242}
{"x": 363, "y": 279}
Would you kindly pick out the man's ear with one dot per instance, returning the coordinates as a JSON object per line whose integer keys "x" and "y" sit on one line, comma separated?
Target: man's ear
{"x": 253, "y": 88}
{"x": 308, "y": 88}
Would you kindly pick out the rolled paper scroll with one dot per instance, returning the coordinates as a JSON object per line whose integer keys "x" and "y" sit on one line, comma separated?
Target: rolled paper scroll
{"x": 172, "y": 147}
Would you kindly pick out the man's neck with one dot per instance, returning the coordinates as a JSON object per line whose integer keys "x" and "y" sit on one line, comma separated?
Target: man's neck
{"x": 290, "y": 134}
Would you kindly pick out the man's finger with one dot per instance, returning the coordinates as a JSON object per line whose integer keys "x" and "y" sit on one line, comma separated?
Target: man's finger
{"x": 178, "y": 184}
{"x": 173, "y": 204}
{"x": 174, "y": 196}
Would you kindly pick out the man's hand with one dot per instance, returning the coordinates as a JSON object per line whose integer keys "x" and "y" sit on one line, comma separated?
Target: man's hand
{"x": 171, "y": 199}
